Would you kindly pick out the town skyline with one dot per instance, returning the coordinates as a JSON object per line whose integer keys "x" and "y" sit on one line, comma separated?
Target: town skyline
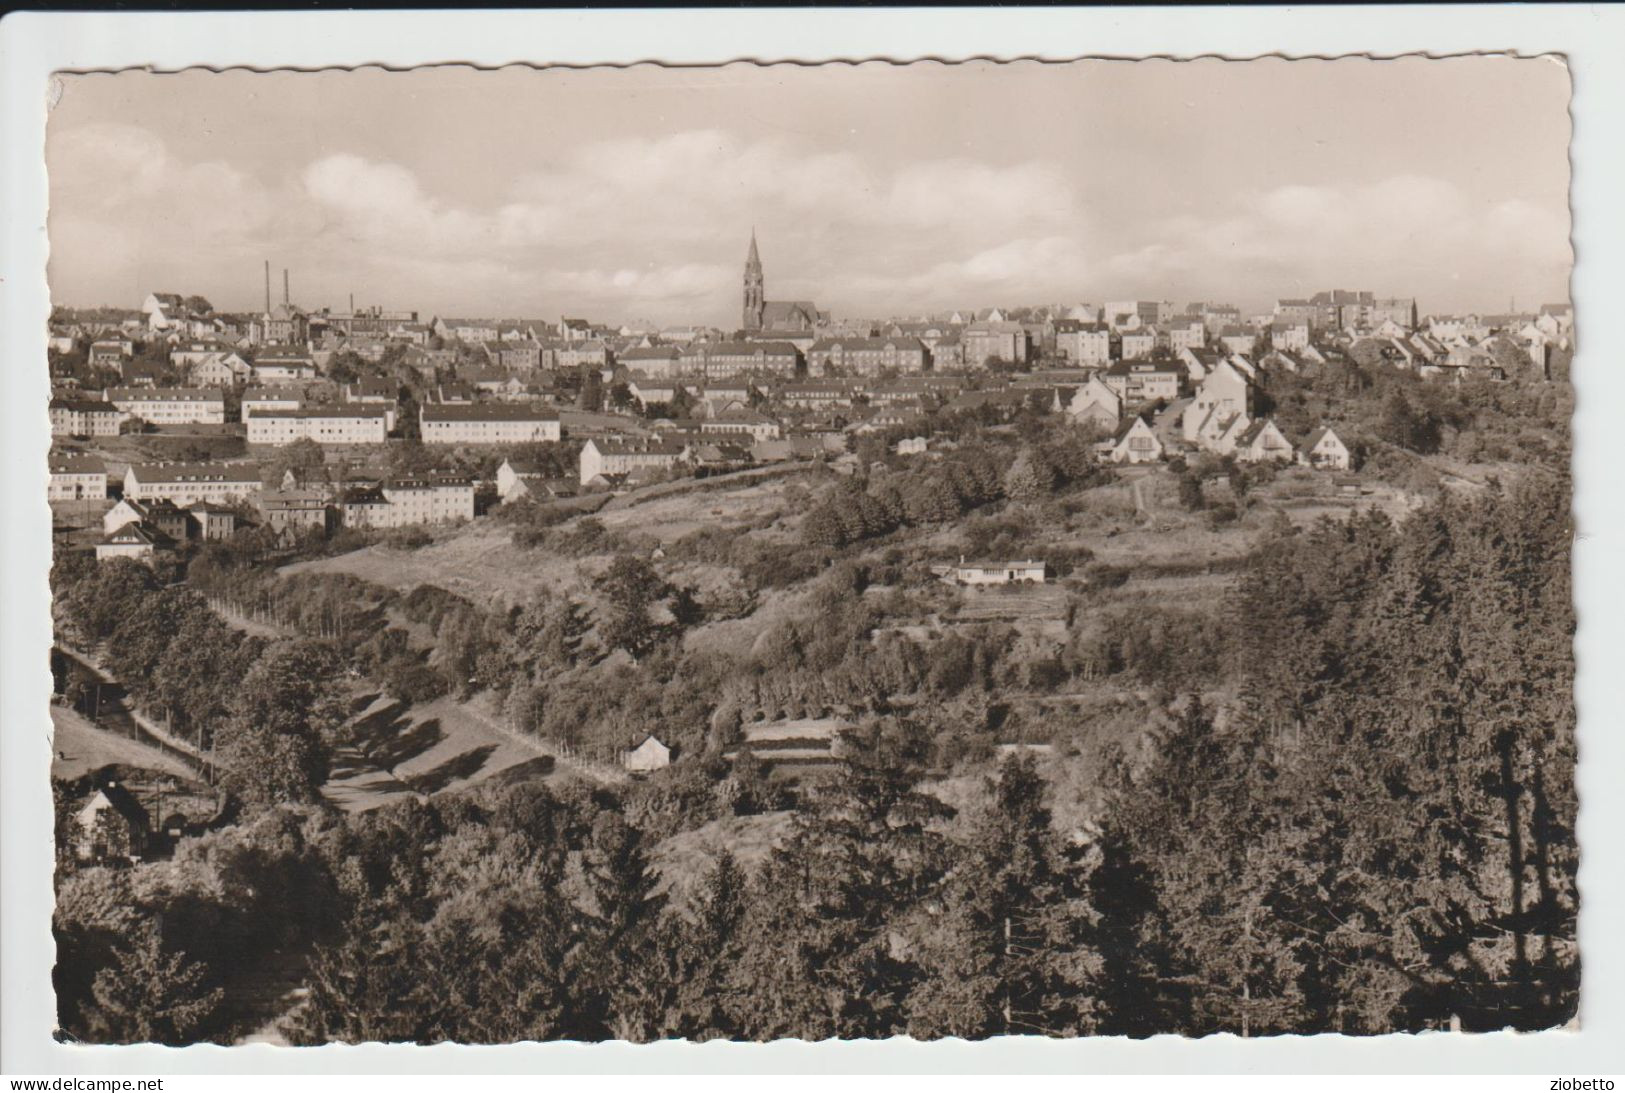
{"x": 895, "y": 191}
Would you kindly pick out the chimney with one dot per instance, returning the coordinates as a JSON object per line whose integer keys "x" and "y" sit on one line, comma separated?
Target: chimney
{"x": 284, "y": 286}
{"x": 267, "y": 286}
{"x": 352, "y": 303}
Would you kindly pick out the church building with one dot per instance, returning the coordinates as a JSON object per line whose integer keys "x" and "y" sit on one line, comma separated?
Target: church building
{"x": 765, "y": 316}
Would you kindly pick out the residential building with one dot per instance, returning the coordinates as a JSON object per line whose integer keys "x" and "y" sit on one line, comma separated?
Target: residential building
{"x": 1093, "y": 402}
{"x": 1143, "y": 380}
{"x": 294, "y": 510}
{"x": 655, "y": 362}
{"x": 1135, "y": 442}
{"x": 1238, "y": 339}
{"x": 610, "y": 457}
{"x": 111, "y": 825}
{"x": 405, "y": 501}
{"x": 348, "y": 424}
{"x": 76, "y": 477}
{"x": 1325, "y": 450}
{"x": 1262, "y": 442}
{"x": 741, "y": 423}
{"x": 816, "y": 395}
{"x": 986, "y": 573}
{"x": 866, "y": 356}
{"x": 171, "y": 405}
{"x": 1289, "y": 336}
{"x": 211, "y": 522}
{"x": 1224, "y": 393}
{"x": 84, "y": 417}
{"x": 1084, "y": 343}
{"x": 485, "y": 423}
{"x": 220, "y": 369}
{"x": 988, "y": 341}
{"x": 1297, "y": 311}
{"x": 591, "y": 353}
{"x": 107, "y": 354}
{"x": 134, "y": 540}
{"x": 283, "y": 364}
{"x": 716, "y": 360}
{"x": 189, "y": 483}
{"x": 1139, "y": 343}
{"x": 259, "y": 400}
{"x": 1400, "y": 310}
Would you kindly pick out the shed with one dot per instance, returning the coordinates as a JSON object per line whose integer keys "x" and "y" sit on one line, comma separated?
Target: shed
{"x": 649, "y": 754}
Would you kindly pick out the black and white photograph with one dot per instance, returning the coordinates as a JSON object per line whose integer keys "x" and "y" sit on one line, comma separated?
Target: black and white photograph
{"x": 762, "y": 552}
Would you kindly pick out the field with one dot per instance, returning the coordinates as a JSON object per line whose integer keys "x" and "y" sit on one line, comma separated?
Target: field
{"x": 78, "y": 747}
{"x": 478, "y": 560}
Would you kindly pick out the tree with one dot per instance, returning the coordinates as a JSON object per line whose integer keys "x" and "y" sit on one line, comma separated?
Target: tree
{"x": 1010, "y": 955}
{"x": 151, "y": 995}
{"x": 622, "y": 992}
{"x": 631, "y": 588}
{"x": 1030, "y": 477}
{"x": 819, "y": 959}
{"x": 275, "y": 745}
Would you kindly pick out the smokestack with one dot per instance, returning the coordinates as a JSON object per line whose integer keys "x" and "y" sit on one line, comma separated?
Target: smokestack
{"x": 267, "y": 286}
{"x": 352, "y": 303}
{"x": 285, "y": 286}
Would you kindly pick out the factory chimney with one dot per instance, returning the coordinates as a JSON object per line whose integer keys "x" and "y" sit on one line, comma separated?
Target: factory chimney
{"x": 285, "y": 300}
{"x": 267, "y": 286}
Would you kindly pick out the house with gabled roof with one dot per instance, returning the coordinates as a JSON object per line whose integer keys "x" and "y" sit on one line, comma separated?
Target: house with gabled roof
{"x": 135, "y": 540}
{"x": 1263, "y": 442}
{"x": 1325, "y": 450}
{"x": 1090, "y": 403}
{"x": 1225, "y": 392}
{"x": 1135, "y": 442}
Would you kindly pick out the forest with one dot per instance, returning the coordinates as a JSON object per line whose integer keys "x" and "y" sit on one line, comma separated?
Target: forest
{"x": 1376, "y": 833}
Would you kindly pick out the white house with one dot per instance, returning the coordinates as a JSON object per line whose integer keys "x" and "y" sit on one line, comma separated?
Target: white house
{"x": 612, "y": 456}
{"x": 1325, "y": 449}
{"x": 77, "y": 477}
{"x": 1136, "y": 442}
{"x": 1264, "y": 443}
{"x": 1092, "y": 402}
{"x": 1224, "y": 392}
{"x": 985, "y": 573}
{"x": 130, "y": 541}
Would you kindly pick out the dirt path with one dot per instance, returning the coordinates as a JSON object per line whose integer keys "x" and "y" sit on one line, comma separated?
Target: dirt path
{"x": 79, "y": 745}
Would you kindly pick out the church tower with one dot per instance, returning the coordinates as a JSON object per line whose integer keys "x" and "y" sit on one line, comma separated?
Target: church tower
{"x": 755, "y": 293}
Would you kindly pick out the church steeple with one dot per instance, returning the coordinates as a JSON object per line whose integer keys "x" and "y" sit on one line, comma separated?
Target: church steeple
{"x": 755, "y": 292}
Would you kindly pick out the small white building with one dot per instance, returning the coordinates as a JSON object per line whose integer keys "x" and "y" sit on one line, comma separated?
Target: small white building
{"x": 649, "y": 755}
{"x": 986, "y": 573}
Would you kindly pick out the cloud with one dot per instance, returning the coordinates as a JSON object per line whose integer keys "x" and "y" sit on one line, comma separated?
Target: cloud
{"x": 1402, "y": 234}
{"x": 656, "y": 226}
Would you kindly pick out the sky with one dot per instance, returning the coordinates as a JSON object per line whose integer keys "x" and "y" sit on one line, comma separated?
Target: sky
{"x": 629, "y": 195}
